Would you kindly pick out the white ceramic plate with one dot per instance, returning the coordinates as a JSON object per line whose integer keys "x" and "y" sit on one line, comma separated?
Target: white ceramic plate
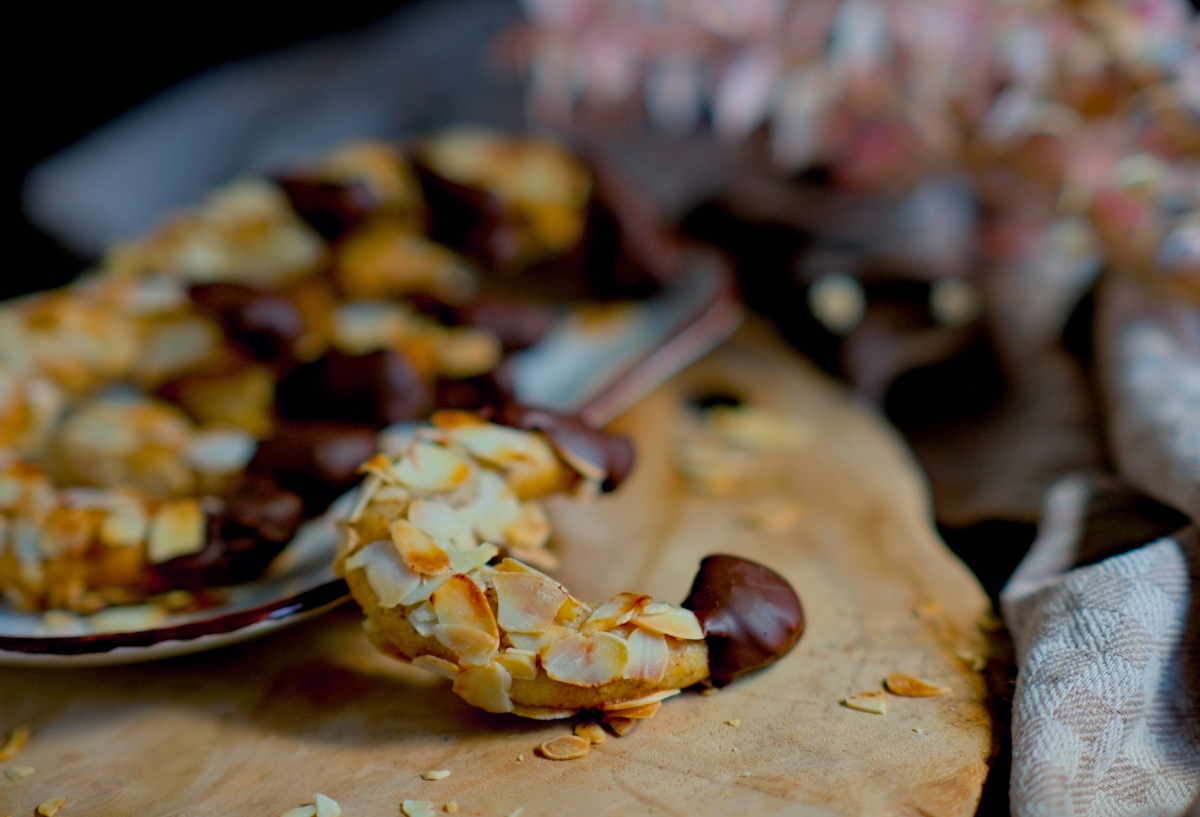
{"x": 595, "y": 363}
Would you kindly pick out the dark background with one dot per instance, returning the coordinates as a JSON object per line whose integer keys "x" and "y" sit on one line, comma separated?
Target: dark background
{"x": 84, "y": 65}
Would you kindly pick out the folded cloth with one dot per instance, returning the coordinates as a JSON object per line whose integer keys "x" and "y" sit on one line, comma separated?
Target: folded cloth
{"x": 1105, "y": 610}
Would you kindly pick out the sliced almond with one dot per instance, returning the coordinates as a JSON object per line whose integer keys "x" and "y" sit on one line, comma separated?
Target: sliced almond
{"x": 124, "y": 527}
{"x": 450, "y": 808}
{"x": 615, "y": 612}
{"x": 437, "y": 665}
{"x": 423, "y": 618}
{"x": 418, "y": 551}
{"x": 567, "y": 747}
{"x": 542, "y": 713}
{"x": 177, "y": 529}
{"x": 527, "y": 602}
{"x": 592, "y": 732}
{"x": 644, "y": 700}
{"x": 473, "y": 646}
{"x": 418, "y": 808}
{"x": 48, "y": 808}
{"x": 667, "y": 619}
{"x": 649, "y": 656}
{"x": 910, "y": 687}
{"x": 486, "y": 687}
{"x": 621, "y": 726}
{"x": 536, "y": 642}
{"x": 873, "y": 701}
{"x": 530, "y": 529}
{"x": 389, "y": 579}
{"x": 641, "y": 712}
{"x": 15, "y": 742}
{"x": 431, "y": 468}
{"x": 586, "y": 660}
{"x": 18, "y": 773}
{"x": 435, "y": 774}
{"x": 436, "y": 518}
{"x": 521, "y": 664}
{"x": 460, "y": 601}
{"x": 465, "y": 561}
{"x": 326, "y": 806}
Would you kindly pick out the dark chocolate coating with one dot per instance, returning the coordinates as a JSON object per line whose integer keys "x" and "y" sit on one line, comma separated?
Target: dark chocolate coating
{"x": 263, "y": 325}
{"x": 378, "y": 388}
{"x": 611, "y": 453}
{"x": 319, "y": 460}
{"x": 751, "y": 616}
{"x": 247, "y": 528}
{"x": 329, "y": 208}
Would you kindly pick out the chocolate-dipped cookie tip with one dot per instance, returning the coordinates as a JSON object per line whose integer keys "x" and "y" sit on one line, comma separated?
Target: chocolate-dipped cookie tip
{"x": 751, "y": 615}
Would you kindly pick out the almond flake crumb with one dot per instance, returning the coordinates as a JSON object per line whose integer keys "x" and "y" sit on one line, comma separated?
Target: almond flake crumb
{"x": 568, "y": 747}
{"x": 734, "y": 722}
{"x": 48, "y": 808}
{"x": 918, "y": 730}
{"x": 971, "y": 659}
{"x": 18, "y": 772}
{"x": 301, "y": 811}
{"x": 326, "y": 806}
{"x": 450, "y": 807}
{"x": 418, "y": 808}
{"x": 517, "y": 812}
{"x": 435, "y": 774}
{"x": 910, "y": 687}
{"x": 873, "y": 702}
{"x": 746, "y": 774}
{"x": 709, "y": 691}
{"x": 16, "y": 739}
{"x": 622, "y": 726}
{"x": 520, "y": 758}
{"x": 593, "y": 733}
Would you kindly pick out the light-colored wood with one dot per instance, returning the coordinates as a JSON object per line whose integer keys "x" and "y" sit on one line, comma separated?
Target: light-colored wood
{"x": 258, "y": 728}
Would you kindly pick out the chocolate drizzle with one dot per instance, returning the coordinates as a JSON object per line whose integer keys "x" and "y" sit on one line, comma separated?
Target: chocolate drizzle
{"x": 751, "y": 616}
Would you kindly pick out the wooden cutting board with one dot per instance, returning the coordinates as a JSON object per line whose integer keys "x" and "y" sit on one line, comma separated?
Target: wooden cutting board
{"x": 258, "y": 728}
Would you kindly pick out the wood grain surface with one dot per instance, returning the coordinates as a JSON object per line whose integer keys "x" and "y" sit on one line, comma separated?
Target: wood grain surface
{"x": 260, "y": 727}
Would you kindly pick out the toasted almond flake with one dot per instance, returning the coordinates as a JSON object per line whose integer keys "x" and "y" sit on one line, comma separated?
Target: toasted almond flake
{"x": 16, "y": 740}
{"x": 390, "y": 581}
{"x": 675, "y": 622}
{"x": 464, "y": 561}
{"x": 567, "y": 747}
{"x": 593, "y": 733}
{"x": 438, "y": 665}
{"x": 542, "y": 713}
{"x": 615, "y": 612}
{"x": 520, "y": 758}
{"x": 527, "y": 602}
{"x": 536, "y": 642}
{"x": 450, "y": 807}
{"x": 177, "y": 529}
{"x": 418, "y": 808}
{"x": 485, "y": 687}
{"x": 709, "y": 690}
{"x": 326, "y": 806}
{"x": 301, "y": 811}
{"x": 649, "y": 656}
{"x": 436, "y": 518}
{"x": 586, "y": 660}
{"x": 473, "y": 647}
{"x": 872, "y": 701}
{"x": 621, "y": 726}
{"x": 910, "y": 687}
{"x": 431, "y": 468}
{"x": 757, "y": 429}
{"x": 418, "y": 551}
{"x": 644, "y": 700}
{"x": 125, "y": 527}
{"x": 48, "y": 808}
{"x": 127, "y": 619}
{"x": 641, "y": 712}
{"x": 435, "y": 774}
{"x": 521, "y": 664}
{"x": 16, "y": 773}
{"x": 530, "y": 529}
{"x": 972, "y": 659}
{"x": 460, "y": 601}
{"x": 735, "y": 722}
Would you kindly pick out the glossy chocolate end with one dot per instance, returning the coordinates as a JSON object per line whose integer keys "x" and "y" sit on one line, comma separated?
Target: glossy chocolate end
{"x": 608, "y": 453}
{"x": 751, "y": 616}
